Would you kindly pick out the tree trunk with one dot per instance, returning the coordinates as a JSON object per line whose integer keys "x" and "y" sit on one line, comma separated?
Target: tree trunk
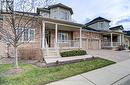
{"x": 16, "y": 57}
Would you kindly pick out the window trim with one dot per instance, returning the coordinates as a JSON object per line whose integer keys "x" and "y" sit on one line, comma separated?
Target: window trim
{"x": 22, "y": 36}
{"x": 63, "y": 41}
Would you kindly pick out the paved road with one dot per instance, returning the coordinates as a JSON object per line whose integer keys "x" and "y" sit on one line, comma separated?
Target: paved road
{"x": 116, "y": 56}
{"x": 116, "y": 74}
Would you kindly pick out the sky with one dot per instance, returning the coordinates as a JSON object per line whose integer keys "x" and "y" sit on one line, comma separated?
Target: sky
{"x": 118, "y": 11}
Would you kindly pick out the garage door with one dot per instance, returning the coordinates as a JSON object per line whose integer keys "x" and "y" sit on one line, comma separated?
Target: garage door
{"x": 91, "y": 44}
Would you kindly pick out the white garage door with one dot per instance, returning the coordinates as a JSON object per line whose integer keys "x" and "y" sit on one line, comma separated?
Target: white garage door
{"x": 91, "y": 44}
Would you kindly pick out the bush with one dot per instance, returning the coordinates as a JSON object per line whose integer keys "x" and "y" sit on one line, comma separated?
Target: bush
{"x": 129, "y": 47}
{"x": 73, "y": 53}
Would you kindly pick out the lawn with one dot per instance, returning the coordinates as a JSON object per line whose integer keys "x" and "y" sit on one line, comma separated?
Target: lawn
{"x": 33, "y": 75}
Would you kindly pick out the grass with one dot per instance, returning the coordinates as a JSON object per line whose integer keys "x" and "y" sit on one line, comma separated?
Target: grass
{"x": 39, "y": 76}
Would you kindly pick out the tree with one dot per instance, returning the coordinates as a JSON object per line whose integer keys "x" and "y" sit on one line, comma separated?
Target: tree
{"x": 18, "y": 13}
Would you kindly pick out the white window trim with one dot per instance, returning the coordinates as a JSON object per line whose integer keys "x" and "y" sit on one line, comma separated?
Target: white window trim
{"x": 22, "y": 40}
{"x": 62, "y": 41}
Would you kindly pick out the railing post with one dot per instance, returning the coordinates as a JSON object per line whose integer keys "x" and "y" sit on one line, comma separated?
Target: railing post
{"x": 111, "y": 40}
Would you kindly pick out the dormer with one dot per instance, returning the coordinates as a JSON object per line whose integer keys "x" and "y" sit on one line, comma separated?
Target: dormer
{"x": 57, "y": 11}
{"x": 99, "y": 23}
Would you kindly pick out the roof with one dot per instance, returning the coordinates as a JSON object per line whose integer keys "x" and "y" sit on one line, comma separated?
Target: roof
{"x": 94, "y": 30}
{"x": 89, "y": 28}
{"x": 62, "y": 6}
{"x": 62, "y": 22}
{"x": 42, "y": 9}
{"x": 127, "y": 33}
{"x": 29, "y": 13}
{"x": 117, "y": 28}
{"x": 98, "y": 19}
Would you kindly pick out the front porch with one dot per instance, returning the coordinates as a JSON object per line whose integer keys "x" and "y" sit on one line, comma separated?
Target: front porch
{"x": 58, "y": 37}
{"x": 112, "y": 40}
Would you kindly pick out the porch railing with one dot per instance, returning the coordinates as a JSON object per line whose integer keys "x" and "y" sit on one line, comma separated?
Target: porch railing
{"x": 108, "y": 44}
{"x": 69, "y": 44}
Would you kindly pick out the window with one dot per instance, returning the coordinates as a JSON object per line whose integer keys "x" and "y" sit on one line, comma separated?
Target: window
{"x": 7, "y": 6}
{"x": 101, "y": 25}
{"x": 62, "y": 37}
{"x": 64, "y": 15}
{"x": 27, "y": 35}
{"x": 55, "y": 14}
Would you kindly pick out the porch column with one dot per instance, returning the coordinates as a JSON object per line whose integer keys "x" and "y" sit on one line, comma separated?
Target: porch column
{"x": 111, "y": 40}
{"x": 43, "y": 36}
{"x": 120, "y": 39}
{"x": 80, "y": 37}
{"x": 123, "y": 39}
{"x": 56, "y": 33}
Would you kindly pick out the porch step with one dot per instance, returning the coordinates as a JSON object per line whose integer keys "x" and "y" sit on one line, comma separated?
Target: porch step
{"x": 52, "y": 53}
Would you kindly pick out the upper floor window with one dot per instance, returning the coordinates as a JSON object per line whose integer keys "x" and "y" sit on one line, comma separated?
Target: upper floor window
{"x": 102, "y": 25}
{"x": 64, "y": 15}
{"x": 26, "y": 34}
{"x": 55, "y": 14}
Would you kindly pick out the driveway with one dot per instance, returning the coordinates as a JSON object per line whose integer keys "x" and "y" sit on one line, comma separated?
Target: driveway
{"x": 116, "y": 56}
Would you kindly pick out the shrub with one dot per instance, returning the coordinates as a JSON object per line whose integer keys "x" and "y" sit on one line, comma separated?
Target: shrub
{"x": 73, "y": 53}
{"x": 129, "y": 47}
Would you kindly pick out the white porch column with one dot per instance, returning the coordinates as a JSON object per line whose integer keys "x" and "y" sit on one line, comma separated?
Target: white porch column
{"x": 111, "y": 40}
{"x": 120, "y": 40}
{"x": 56, "y": 34}
{"x": 80, "y": 37}
{"x": 43, "y": 36}
{"x": 123, "y": 39}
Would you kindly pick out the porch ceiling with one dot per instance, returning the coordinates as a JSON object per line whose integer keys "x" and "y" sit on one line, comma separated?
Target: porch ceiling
{"x": 110, "y": 34}
{"x": 62, "y": 22}
{"x": 61, "y": 27}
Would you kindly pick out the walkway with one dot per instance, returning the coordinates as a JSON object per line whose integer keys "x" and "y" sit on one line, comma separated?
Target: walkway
{"x": 117, "y": 74}
{"x": 66, "y": 59}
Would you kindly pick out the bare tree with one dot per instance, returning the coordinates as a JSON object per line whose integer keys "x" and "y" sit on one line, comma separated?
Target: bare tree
{"x": 17, "y": 15}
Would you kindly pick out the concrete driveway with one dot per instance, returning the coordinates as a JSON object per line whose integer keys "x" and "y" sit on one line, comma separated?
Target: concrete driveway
{"x": 116, "y": 56}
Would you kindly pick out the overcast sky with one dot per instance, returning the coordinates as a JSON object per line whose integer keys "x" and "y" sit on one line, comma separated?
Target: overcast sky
{"x": 118, "y": 11}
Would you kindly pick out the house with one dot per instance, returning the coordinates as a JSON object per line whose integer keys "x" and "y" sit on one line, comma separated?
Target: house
{"x": 54, "y": 31}
{"x": 110, "y": 37}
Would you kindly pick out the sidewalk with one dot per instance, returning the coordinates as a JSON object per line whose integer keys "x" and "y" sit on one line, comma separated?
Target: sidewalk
{"x": 116, "y": 74}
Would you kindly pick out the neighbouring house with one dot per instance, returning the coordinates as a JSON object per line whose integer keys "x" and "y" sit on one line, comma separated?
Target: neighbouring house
{"x": 54, "y": 31}
{"x": 110, "y": 37}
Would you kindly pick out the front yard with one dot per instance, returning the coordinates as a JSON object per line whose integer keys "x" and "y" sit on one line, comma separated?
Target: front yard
{"x": 33, "y": 75}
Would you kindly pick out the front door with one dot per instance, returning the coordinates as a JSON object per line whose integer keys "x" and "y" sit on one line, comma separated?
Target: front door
{"x": 48, "y": 37}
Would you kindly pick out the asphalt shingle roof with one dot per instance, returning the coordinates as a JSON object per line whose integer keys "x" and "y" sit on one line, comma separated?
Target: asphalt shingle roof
{"x": 127, "y": 33}
{"x": 62, "y": 6}
{"x": 117, "y": 27}
{"x": 98, "y": 19}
